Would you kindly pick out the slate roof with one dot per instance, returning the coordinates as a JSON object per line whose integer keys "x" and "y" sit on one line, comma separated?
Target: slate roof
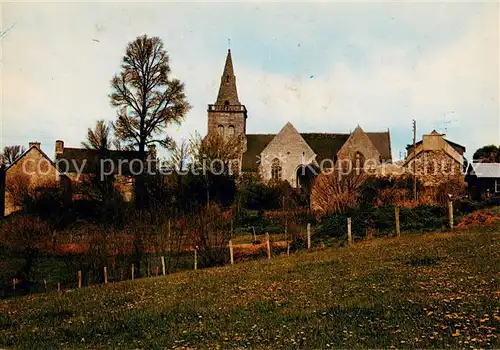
{"x": 255, "y": 145}
{"x": 325, "y": 146}
{"x": 89, "y": 158}
{"x": 227, "y": 90}
{"x": 485, "y": 170}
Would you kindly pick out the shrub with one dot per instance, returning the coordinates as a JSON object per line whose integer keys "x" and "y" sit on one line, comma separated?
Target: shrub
{"x": 26, "y": 235}
{"x": 454, "y": 187}
{"x": 419, "y": 219}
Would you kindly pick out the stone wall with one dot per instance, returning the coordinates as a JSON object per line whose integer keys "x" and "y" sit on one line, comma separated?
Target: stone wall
{"x": 435, "y": 167}
{"x": 226, "y": 119}
{"x": 359, "y": 142}
{"x": 30, "y": 172}
{"x": 291, "y": 149}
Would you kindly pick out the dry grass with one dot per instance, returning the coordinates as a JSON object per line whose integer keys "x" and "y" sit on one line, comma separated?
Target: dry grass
{"x": 421, "y": 291}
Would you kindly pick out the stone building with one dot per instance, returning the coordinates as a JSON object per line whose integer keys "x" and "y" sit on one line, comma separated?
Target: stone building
{"x": 32, "y": 172}
{"x": 285, "y": 155}
{"x": 81, "y": 164}
{"x": 435, "y": 159}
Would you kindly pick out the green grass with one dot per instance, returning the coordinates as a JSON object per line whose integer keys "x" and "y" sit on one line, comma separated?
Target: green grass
{"x": 435, "y": 290}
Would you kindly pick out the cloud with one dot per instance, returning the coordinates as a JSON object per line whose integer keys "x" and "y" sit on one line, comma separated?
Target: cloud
{"x": 380, "y": 65}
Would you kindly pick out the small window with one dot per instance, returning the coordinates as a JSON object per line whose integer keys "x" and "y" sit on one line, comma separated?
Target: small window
{"x": 230, "y": 131}
{"x": 359, "y": 161}
{"x": 276, "y": 170}
{"x": 220, "y": 130}
{"x": 497, "y": 186}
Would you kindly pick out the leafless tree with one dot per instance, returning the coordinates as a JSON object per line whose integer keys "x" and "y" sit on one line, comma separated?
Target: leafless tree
{"x": 99, "y": 138}
{"x": 336, "y": 191}
{"x": 11, "y": 153}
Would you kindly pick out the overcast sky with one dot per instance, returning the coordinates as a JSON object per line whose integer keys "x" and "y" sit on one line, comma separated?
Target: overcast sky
{"x": 324, "y": 67}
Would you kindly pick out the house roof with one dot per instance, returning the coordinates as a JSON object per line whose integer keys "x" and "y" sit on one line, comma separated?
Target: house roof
{"x": 88, "y": 160}
{"x": 325, "y": 145}
{"x": 484, "y": 170}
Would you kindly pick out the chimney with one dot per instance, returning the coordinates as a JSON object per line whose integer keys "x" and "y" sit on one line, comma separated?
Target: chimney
{"x": 34, "y": 144}
{"x": 59, "y": 147}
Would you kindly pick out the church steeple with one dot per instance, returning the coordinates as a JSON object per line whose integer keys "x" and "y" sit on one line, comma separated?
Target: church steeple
{"x": 228, "y": 95}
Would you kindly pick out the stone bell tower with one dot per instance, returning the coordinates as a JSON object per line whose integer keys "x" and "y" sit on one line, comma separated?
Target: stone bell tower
{"x": 227, "y": 117}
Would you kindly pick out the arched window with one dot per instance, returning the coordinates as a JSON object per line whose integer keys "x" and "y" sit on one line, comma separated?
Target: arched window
{"x": 226, "y": 105}
{"x": 220, "y": 130}
{"x": 230, "y": 131}
{"x": 227, "y": 78}
{"x": 276, "y": 169}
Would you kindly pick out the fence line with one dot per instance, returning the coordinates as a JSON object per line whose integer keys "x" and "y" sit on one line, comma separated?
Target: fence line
{"x": 268, "y": 246}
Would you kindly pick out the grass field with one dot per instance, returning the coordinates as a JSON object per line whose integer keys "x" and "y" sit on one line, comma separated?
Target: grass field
{"x": 435, "y": 290}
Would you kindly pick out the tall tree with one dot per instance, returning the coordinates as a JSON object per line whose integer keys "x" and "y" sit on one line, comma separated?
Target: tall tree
{"x": 487, "y": 154}
{"x": 147, "y": 98}
{"x": 11, "y": 153}
{"x": 98, "y": 138}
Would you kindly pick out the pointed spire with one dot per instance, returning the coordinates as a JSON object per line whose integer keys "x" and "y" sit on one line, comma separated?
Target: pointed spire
{"x": 228, "y": 95}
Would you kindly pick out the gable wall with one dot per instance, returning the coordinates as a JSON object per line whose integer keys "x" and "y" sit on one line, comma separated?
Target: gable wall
{"x": 359, "y": 142}
{"x": 434, "y": 167}
{"x": 288, "y": 146}
{"x": 31, "y": 171}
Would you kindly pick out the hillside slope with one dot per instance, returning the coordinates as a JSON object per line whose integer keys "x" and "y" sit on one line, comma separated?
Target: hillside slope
{"x": 434, "y": 290}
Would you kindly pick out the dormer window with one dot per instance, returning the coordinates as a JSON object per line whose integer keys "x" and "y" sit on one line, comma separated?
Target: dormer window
{"x": 227, "y": 78}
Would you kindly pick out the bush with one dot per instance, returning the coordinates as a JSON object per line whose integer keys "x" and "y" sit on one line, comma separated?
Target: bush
{"x": 420, "y": 219}
{"x": 26, "y": 235}
{"x": 255, "y": 195}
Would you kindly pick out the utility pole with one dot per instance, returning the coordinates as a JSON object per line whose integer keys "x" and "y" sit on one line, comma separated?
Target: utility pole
{"x": 414, "y": 160}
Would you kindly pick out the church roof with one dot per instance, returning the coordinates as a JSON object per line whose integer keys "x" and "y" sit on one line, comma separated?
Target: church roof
{"x": 325, "y": 145}
{"x": 228, "y": 94}
{"x": 255, "y": 145}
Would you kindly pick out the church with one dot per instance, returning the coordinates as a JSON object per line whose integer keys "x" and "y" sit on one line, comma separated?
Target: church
{"x": 285, "y": 155}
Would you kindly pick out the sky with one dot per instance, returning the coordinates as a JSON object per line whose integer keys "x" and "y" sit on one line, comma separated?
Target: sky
{"x": 324, "y": 67}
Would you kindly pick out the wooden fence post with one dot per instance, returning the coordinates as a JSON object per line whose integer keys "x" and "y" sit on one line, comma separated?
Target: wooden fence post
{"x": 132, "y": 271}
{"x": 79, "y": 279}
{"x": 396, "y": 213}
{"x": 450, "y": 213}
{"x": 231, "y": 256}
{"x": 45, "y": 284}
{"x": 105, "y": 275}
{"x": 254, "y": 236}
{"x": 349, "y": 235}
{"x": 58, "y": 286}
{"x": 308, "y": 236}
{"x": 268, "y": 245}
{"x": 196, "y": 259}
{"x": 163, "y": 265}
